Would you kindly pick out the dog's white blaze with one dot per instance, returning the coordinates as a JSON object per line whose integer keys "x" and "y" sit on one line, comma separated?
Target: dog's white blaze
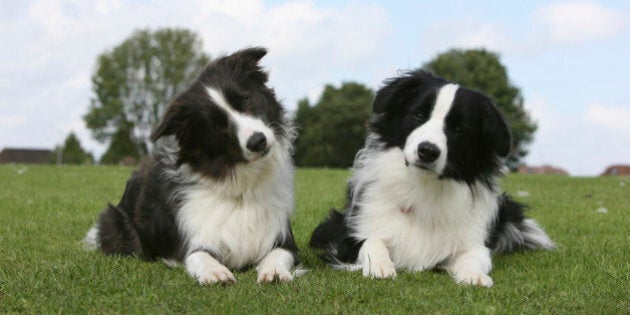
{"x": 433, "y": 130}
{"x": 444, "y": 101}
{"x": 246, "y": 125}
{"x": 446, "y": 221}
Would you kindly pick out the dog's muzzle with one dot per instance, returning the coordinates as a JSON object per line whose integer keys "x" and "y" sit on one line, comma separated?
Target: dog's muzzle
{"x": 257, "y": 143}
{"x": 426, "y": 155}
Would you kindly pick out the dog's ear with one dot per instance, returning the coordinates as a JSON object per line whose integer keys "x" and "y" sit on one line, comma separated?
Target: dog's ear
{"x": 245, "y": 63}
{"x": 383, "y": 98}
{"x": 174, "y": 121}
{"x": 390, "y": 96}
{"x": 496, "y": 130}
{"x": 250, "y": 56}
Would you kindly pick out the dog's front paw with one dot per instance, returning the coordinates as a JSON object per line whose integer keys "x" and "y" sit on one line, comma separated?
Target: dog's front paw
{"x": 216, "y": 274}
{"x": 474, "y": 278}
{"x": 379, "y": 269}
{"x": 276, "y": 266}
{"x": 207, "y": 270}
{"x": 272, "y": 274}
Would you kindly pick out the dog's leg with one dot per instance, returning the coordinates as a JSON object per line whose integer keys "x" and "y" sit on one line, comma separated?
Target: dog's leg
{"x": 206, "y": 269}
{"x": 374, "y": 257}
{"x": 471, "y": 267}
{"x": 276, "y": 265}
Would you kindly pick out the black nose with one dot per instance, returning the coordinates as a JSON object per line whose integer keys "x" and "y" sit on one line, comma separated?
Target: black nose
{"x": 257, "y": 142}
{"x": 428, "y": 152}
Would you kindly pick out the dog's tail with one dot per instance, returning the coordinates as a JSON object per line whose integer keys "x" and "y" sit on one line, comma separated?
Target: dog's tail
{"x": 332, "y": 236}
{"x": 512, "y": 231}
{"x": 115, "y": 233}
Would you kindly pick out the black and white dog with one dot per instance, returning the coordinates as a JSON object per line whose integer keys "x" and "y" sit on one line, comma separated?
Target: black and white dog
{"x": 424, "y": 192}
{"x": 217, "y": 191}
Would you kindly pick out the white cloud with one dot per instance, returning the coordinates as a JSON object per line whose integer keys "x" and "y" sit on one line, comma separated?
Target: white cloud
{"x": 577, "y": 142}
{"x": 107, "y": 6}
{"x": 548, "y": 27}
{"x": 616, "y": 118}
{"x": 46, "y": 68}
{"x": 538, "y": 108}
{"x": 577, "y": 22}
{"x": 11, "y": 120}
{"x": 484, "y": 35}
{"x": 309, "y": 44}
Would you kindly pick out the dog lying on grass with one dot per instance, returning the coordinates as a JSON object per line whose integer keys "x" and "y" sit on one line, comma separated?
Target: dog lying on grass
{"x": 424, "y": 191}
{"x": 217, "y": 191}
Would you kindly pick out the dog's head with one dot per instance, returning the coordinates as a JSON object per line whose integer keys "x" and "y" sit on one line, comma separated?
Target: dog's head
{"x": 443, "y": 129}
{"x": 228, "y": 116}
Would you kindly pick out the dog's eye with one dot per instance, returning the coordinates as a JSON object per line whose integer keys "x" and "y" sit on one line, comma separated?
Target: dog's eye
{"x": 458, "y": 130}
{"x": 245, "y": 101}
{"x": 420, "y": 116}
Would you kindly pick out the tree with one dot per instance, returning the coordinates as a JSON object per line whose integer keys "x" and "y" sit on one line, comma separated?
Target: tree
{"x": 120, "y": 147}
{"x": 72, "y": 153}
{"x": 135, "y": 80}
{"x": 333, "y": 130}
{"x": 482, "y": 70}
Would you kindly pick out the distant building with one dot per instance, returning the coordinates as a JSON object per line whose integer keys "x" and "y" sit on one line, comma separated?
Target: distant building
{"x": 26, "y": 156}
{"x": 545, "y": 169}
{"x": 617, "y": 170}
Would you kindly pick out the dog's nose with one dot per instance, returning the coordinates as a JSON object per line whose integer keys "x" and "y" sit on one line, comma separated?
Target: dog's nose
{"x": 428, "y": 152}
{"x": 257, "y": 142}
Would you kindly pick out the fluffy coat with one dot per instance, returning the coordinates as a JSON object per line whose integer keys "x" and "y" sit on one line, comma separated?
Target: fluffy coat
{"x": 424, "y": 191}
{"x": 216, "y": 194}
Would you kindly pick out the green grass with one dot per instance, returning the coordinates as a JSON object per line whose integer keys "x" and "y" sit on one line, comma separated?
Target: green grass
{"x": 46, "y": 210}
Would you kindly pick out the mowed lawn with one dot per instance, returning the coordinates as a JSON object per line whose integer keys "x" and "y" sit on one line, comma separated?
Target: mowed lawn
{"x": 46, "y": 210}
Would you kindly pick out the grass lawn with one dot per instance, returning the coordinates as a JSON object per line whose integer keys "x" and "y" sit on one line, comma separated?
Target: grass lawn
{"x": 46, "y": 210}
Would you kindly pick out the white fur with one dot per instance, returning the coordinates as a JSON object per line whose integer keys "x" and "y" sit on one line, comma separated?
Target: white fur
{"x": 534, "y": 232}
{"x": 206, "y": 269}
{"x": 433, "y": 130}
{"x": 246, "y": 125}
{"x": 374, "y": 260}
{"x": 471, "y": 266}
{"x": 240, "y": 217}
{"x": 91, "y": 239}
{"x": 422, "y": 221}
{"x": 276, "y": 265}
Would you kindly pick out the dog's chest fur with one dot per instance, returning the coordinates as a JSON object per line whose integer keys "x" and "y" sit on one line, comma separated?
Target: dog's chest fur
{"x": 239, "y": 219}
{"x": 427, "y": 220}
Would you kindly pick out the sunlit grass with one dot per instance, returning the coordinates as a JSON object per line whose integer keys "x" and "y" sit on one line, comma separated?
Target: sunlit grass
{"x": 46, "y": 210}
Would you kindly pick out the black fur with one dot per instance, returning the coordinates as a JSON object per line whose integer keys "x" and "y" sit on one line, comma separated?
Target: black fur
{"x": 197, "y": 135}
{"x": 205, "y": 134}
{"x": 333, "y": 237}
{"x": 477, "y": 132}
{"x": 478, "y": 137}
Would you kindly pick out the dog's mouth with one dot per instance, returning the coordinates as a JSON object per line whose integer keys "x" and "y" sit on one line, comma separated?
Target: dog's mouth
{"x": 264, "y": 152}
{"x": 257, "y": 156}
{"x": 429, "y": 167}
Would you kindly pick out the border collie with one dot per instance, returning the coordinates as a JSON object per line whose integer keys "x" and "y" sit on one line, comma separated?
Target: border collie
{"x": 424, "y": 191}
{"x": 217, "y": 191}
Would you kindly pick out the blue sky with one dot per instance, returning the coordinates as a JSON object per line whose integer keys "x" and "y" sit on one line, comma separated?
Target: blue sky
{"x": 569, "y": 58}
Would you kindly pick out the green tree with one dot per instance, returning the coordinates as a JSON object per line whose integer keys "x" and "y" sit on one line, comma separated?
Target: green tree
{"x": 120, "y": 147}
{"x": 72, "y": 153}
{"x": 482, "y": 70}
{"x": 135, "y": 80}
{"x": 333, "y": 130}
